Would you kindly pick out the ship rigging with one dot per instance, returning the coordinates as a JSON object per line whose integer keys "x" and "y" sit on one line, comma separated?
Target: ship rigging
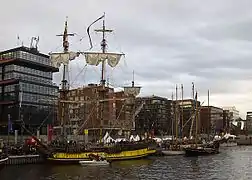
{"x": 93, "y": 59}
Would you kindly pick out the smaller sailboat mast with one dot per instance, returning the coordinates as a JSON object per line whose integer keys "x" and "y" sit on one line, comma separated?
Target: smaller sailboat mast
{"x": 208, "y": 109}
{"x": 182, "y": 110}
{"x": 193, "y": 110}
{"x": 176, "y": 114}
{"x": 172, "y": 118}
{"x": 196, "y": 117}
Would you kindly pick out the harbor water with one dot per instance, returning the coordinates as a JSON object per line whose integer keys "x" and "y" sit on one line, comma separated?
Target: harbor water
{"x": 233, "y": 163}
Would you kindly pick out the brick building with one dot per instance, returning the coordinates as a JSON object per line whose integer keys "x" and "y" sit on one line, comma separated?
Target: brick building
{"x": 211, "y": 119}
{"x": 87, "y": 111}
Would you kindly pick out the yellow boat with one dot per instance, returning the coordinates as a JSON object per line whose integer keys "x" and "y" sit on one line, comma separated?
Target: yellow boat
{"x": 123, "y": 155}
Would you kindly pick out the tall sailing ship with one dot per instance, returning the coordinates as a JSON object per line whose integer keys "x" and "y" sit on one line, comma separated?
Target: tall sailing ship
{"x": 62, "y": 151}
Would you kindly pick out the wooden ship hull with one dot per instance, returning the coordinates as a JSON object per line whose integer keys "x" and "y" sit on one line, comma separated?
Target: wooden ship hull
{"x": 174, "y": 150}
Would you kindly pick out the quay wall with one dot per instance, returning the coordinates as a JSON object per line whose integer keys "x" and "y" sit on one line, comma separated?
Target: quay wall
{"x": 43, "y": 138}
{"x": 244, "y": 140}
{"x": 25, "y": 159}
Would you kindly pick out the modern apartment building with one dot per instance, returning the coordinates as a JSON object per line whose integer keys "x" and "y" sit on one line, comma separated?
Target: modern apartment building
{"x": 28, "y": 94}
{"x": 155, "y": 115}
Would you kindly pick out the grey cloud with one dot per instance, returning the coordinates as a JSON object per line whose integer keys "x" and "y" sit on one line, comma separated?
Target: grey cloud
{"x": 240, "y": 30}
{"x": 166, "y": 42}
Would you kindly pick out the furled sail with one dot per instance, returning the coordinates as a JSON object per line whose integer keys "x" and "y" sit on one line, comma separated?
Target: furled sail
{"x": 62, "y": 58}
{"x": 94, "y": 58}
{"x": 132, "y": 91}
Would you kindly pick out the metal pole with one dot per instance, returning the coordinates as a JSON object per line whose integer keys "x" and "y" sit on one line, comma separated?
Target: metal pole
{"x": 22, "y": 130}
{"x": 8, "y": 130}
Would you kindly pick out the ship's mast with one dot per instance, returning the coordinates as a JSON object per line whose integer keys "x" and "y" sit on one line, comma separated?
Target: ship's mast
{"x": 103, "y": 47}
{"x": 103, "y": 81}
{"x": 95, "y": 58}
{"x": 66, "y": 48}
{"x": 64, "y": 88}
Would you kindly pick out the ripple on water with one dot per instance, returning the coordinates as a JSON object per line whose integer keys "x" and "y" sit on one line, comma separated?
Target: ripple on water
{"x": 231, "y": 164}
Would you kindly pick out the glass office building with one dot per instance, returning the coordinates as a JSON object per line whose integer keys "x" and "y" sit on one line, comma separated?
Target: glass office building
{"x": 28, "y": 94}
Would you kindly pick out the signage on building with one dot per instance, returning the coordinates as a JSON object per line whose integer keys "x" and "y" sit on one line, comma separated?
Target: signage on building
{"x": 85, "y": 131}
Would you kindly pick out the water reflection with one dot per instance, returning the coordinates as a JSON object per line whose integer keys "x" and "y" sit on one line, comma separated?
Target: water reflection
{"x": 133, "y": 163}
{"x": 194, "y": 165}
{"x": 232, "y": 164}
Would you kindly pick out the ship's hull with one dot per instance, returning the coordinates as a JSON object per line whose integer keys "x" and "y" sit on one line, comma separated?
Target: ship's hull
{"x": 228, "y": 144}
{"x": 94, "y": 163}
{"x": 200, "y": 151}
{"x": 3, "y": 162}
{"x": 74, "y": 158}
{"x": 173, "y": 152}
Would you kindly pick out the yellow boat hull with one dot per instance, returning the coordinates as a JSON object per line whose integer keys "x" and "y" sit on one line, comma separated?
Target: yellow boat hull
{"x": 124, "y": 155}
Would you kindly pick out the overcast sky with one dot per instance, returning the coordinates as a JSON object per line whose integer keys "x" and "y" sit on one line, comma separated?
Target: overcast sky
{"x": 166, "y": 42}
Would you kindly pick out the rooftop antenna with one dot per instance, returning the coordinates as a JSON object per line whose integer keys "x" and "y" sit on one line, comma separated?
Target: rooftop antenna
{"x": 133, "y": 79}
{"x": 18, "y": 40}
{"x": 32, "y": 46}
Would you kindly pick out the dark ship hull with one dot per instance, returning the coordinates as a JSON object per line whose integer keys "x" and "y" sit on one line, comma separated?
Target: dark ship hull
{"x": 3, "y": 161}
{"x": 200, "y": 151}
{"x": 207, "y": 149}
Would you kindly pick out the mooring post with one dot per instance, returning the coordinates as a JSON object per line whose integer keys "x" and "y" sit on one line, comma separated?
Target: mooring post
{"x": 16, "y": 136}
{"x": 38, "y": 134}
